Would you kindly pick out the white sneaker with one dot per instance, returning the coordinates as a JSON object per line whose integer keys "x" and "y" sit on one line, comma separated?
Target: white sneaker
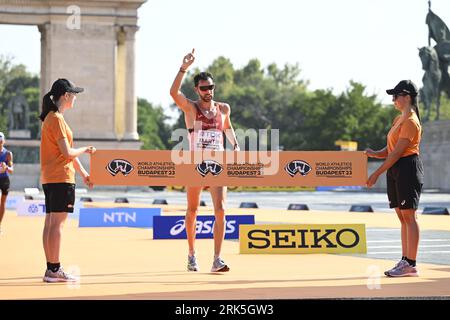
{"x": 59, "y": 276}
{"x": 192, "y": 264}
{"x": 219, "y": 266}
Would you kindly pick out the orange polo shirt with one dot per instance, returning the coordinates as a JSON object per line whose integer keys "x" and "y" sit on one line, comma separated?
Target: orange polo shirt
{"x": 408, "y": 128}
{"x": 55, "y": 168}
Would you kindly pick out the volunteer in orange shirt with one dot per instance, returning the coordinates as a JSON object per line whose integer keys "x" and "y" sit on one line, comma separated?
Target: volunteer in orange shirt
{"x": 404, "y": 172}
{"x": 59, "y": 161}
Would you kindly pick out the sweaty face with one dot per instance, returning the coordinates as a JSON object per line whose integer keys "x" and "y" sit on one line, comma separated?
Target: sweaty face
{"x": 205, "y": 90}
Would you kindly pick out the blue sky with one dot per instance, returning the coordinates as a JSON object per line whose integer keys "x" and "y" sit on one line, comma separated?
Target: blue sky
{"x": 373, "y": 42}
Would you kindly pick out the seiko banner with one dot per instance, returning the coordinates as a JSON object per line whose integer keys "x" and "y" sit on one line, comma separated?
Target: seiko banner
{"x": 173, "y": 227}
{"x": 228, "y": 168}
{"x": 310, "y": 238}
{"x": 118, "y": 217}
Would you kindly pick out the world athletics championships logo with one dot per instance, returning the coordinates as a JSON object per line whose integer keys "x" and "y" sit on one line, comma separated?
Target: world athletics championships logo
{"x": 297, "y": 166}
{"x": 209, "y": 166}
{"x": 119, "y": 165}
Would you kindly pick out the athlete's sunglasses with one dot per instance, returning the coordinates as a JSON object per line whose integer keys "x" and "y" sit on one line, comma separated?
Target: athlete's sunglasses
{"x": 204, "y": 88}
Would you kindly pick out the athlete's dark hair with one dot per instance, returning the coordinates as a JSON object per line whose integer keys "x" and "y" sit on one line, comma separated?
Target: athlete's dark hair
{"x": 202, "y": 76}
{"x": 415, "y": 104}
{"x": 48, "y": 104}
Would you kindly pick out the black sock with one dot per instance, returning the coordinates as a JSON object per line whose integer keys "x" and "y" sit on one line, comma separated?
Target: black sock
{"x": 53, "y": 267}
{"x": 412, "y": 263}
{"x": 403, "y": 257}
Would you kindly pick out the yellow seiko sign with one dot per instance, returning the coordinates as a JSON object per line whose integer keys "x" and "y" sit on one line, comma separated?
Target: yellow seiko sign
{"x": 303, "y": 238}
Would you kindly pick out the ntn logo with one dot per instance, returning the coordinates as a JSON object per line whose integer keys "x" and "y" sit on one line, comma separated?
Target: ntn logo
{"x": 118, "y": 217}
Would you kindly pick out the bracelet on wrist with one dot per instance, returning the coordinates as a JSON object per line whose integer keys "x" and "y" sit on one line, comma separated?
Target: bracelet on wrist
{"x": 182, "y": 71}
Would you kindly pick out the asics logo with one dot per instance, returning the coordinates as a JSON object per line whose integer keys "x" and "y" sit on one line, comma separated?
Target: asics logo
{"x": 202, "y": 227}
{"x": 119, "y": 165}
{"x": 177, "y": 228}
{"x": 209, "y": 166}
{"x": 297, "y": 166}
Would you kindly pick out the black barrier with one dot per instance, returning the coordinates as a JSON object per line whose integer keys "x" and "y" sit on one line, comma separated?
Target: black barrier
{"x": 160, "y": 201}
{"x": 361, "y": 208}
{"x": 202, "y": 203}
{"x": 158, "y": 188}
{"x": 121, "y": 200}
{"x": 248, "y": 205}
{"x": 435, "y": 210}
{"x": 298, "y": 206}
{"x": 86, "y": 199}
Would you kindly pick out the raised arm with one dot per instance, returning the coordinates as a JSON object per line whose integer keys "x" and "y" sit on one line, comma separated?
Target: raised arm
{"x": 181, "y": 101}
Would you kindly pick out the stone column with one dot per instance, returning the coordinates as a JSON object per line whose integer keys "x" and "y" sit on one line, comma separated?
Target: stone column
{"x": 45, "y": 57}
{"x": 130, "y": 94}
{"x": 86, "y": 57}
{"x": 120, "y": 84}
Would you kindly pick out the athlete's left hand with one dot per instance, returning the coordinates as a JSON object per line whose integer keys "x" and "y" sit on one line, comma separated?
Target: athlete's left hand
{"x": 372, "y": 180}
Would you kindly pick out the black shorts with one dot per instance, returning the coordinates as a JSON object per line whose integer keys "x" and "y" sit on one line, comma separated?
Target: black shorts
{"x": 4, "y": 185}
{"x": 59, "y": 197}
{"x": 404, "y": 182}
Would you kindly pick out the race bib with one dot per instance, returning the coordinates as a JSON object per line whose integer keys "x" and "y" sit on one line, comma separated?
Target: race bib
{"x": 209, "y": 139}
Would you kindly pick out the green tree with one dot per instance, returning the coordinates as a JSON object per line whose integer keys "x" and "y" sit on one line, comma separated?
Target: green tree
{"x": 277, "y": 98}
{"x": 152, "y": 129}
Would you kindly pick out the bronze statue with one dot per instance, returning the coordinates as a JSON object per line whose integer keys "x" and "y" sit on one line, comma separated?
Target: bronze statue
{"x": 435, "y": 62}
{"x": 18, "y": 113}
{"x": 431, "y": 80}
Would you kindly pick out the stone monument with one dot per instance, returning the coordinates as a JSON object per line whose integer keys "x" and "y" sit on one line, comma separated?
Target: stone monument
{"x": 18, "y": 116}
{"x": 92, "y": 43}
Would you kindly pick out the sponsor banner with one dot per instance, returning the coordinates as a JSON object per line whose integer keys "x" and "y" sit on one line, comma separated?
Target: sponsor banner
{"x": 34, "y": 208}
{"x": 31, "y": 208}
{"x": 310, "y": 238}
{"x": 118, "y": 217}
{"x": 229, "y": 168}
{"x": 12, "y": 202}
{"x": 173, "y": 227}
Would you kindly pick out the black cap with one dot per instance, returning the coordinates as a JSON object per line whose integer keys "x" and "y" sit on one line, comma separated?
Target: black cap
{"x": 62, "y": 86}
{"x": 404, "y": 86}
